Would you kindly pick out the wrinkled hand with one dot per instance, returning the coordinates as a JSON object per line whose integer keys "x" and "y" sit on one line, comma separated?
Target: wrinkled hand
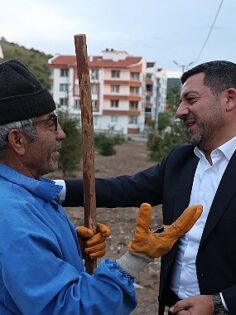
{"x": 93, "y": 244}
{"x": 196, "y": 305}
{"x": 154, "y": 244}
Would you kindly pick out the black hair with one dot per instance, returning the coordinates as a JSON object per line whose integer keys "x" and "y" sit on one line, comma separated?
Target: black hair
{"x": 219, "y": 75}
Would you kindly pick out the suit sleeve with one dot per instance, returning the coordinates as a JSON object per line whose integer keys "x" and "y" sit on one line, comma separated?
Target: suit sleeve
{"x": 229, "y": 298}
{"x": 122, "y": 191}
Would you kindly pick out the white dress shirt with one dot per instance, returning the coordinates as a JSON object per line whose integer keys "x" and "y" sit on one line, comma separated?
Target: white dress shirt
{"x": 62, "y": 193}
{"x": 206, "y": 181}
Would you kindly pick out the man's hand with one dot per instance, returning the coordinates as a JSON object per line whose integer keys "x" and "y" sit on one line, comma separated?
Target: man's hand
{"x": 93, "y": 244}
{"x": 196, "y": 305}
{"x": 154, "y": 244}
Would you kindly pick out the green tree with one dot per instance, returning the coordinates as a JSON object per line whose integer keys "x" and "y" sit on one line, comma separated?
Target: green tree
{"x": 71, "y": 151}
{"x": 172, "y": 100}
{"x": 170, "y": 130}
{"x": 105, "y": 142}
{"x": 106, "y": 146}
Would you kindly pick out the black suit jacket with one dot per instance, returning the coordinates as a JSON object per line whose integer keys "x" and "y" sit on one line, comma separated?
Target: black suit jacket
{"x": 169, "y": 183}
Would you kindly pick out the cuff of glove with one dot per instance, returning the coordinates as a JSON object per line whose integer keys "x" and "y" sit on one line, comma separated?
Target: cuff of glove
{"x": 133, "y": 263}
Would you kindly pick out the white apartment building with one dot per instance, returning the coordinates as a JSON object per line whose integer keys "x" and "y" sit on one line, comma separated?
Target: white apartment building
{"x": 162, "y": 80}
{"x": 123, "y": 89}
{"x": 155, "y": 94}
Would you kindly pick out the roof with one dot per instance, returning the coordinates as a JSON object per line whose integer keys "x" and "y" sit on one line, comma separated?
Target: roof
{"x": 94, "y": 62}
{"x": 109, "y": 63}
{"x": 63, "y": 60}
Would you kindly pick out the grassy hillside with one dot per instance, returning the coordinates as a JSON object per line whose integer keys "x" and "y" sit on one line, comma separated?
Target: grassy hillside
{"x": 37, "y": 61}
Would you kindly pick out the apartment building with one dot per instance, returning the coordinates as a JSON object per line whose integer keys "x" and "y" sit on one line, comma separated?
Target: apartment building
{"x": 123, "y": 91}
{"x": 155, "y": 93}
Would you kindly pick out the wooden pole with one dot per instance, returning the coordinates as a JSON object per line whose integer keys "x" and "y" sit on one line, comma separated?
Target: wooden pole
{"x": 87, "y": 139}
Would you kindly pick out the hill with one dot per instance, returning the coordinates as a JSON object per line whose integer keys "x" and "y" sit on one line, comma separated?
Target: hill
{"x": 36, "y": 60}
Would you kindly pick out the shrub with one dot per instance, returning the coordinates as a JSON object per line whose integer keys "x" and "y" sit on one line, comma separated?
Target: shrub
{"x": 160, "y": 144}
{"x": 170, "y": 131}
{"x": 105, "y": 142}
{"x": 71, "y": 151}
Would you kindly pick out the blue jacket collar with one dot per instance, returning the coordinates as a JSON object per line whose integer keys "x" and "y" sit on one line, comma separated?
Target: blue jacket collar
{"x": 44, "y": 188}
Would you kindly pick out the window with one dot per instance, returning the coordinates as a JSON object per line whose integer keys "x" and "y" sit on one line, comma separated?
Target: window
{"x": 94, "y": 74}
{"x": 114, "y": 103}
{"x": 63, "y": 87}
{"x": 76, "y": 104}
{"x": 94, "y": 89}
{"x": 95, "y": 105}
{"x": 115, "y": 73}
{"x": 134, "y": 90}
{"x": 115, "y": 88}
{"x": 114, "y": 119}
{"x": 149, "y": 88}
{"x": 63, "y": 101}
{"x": 64, "y": 72}
{"x": 133, "y": 119}
{"x": 133, "y": 105}
{"x": 135, "y": 75}
{"x": 148, "y": 99}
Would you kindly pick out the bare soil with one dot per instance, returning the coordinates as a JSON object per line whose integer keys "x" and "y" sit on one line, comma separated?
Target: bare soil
{"x": 131, "y": 157}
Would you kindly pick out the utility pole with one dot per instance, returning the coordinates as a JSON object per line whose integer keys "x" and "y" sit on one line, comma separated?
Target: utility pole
{"x": 183, "y": 67}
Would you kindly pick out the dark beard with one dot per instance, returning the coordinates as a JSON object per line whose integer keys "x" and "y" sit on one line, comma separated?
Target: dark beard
{"x": 204, "y": 139}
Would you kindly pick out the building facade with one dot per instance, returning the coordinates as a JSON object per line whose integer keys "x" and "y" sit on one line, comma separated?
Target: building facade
{"x": 125, "y": 90}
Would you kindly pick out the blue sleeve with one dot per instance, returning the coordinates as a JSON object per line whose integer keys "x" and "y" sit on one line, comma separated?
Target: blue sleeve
{"x": 42, "y": 275}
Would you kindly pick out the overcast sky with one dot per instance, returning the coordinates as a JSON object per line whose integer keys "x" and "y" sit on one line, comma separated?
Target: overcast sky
{"x": 158, "y": 30}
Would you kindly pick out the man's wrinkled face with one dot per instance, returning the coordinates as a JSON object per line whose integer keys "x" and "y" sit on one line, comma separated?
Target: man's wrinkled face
{"x": 43, "y": 153}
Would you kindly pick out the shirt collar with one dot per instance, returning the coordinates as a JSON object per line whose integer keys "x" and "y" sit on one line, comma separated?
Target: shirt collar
{"x": 227, "y": 149}
{"x": 43, "y": 188}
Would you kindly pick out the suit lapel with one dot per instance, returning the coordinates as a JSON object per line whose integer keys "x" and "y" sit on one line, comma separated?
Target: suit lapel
{"x": 185, "y": 186}
{"x": 225, "y": 191}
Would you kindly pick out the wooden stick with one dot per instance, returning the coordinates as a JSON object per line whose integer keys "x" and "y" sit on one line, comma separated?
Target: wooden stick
{"x": 87, "y": 139}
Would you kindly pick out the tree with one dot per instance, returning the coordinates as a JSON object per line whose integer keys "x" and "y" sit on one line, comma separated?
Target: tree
{"x": 172, "y": 100}
{"x": 105, "y": 142}
{"x": 105, "y": 145}
{"x": 170, "y": 130}
{"x": 71, "y": 151}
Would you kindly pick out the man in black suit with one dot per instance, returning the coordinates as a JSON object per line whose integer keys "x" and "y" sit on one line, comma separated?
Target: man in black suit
{"x": 198, "y": 276}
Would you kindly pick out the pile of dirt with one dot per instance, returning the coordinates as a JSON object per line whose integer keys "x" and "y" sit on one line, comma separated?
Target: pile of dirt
{"x": 130, "y": 158}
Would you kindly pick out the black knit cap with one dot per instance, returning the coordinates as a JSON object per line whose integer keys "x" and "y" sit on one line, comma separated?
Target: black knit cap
{"x": 21, "y": 94}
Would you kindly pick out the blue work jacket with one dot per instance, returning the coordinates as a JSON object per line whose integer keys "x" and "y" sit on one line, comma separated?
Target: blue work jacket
{"x": 41, "y": 265}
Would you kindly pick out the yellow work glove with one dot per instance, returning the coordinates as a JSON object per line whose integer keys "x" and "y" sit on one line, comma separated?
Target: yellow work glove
{"x": 93, "y": 244}
{"x": 155, "y": 244}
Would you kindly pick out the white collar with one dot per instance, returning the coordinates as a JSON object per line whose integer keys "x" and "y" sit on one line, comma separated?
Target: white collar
{"x": 227, "y": 149}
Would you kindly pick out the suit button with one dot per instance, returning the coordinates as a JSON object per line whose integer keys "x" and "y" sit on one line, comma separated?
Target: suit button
{"x": 203, "y": 275}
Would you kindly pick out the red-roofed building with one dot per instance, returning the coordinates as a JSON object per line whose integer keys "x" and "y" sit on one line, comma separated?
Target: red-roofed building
{"x": 118, "y": 88}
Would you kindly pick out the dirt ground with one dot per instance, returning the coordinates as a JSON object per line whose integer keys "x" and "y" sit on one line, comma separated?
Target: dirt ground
{"x": 130, "y": 158}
